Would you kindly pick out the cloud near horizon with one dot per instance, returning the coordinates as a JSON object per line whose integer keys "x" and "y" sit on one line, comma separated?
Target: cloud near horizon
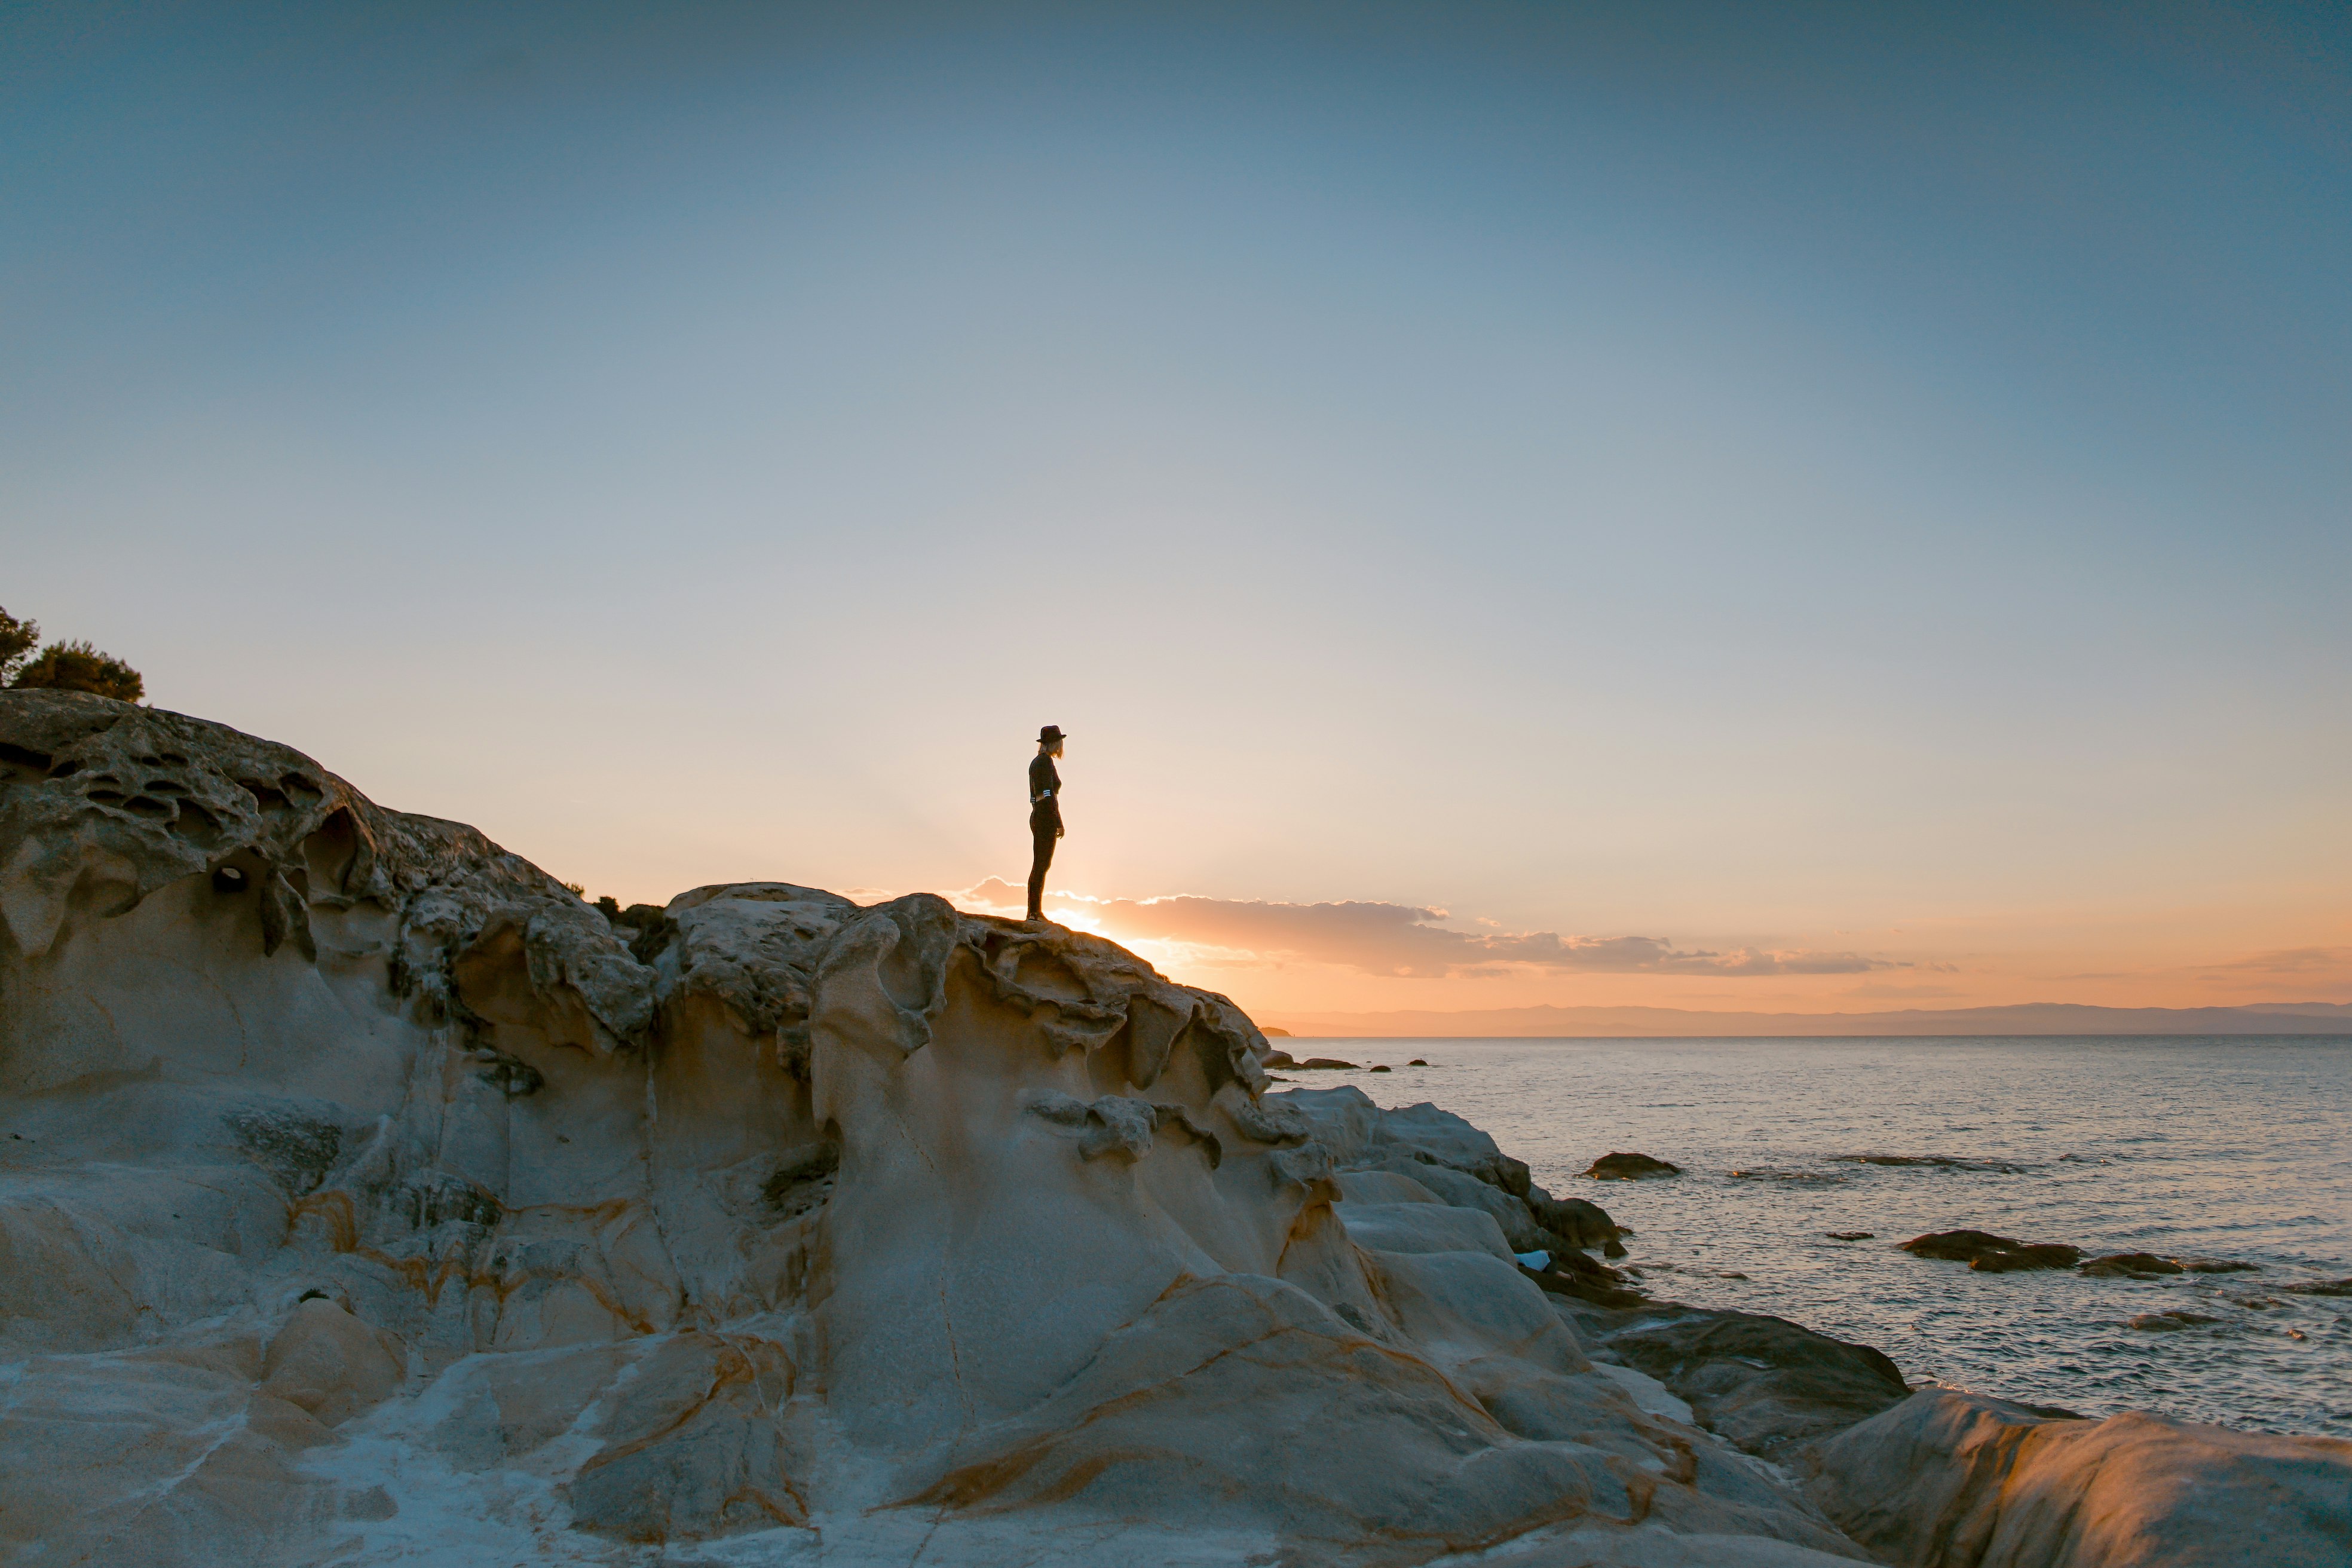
{"x": 1403, "y": 941}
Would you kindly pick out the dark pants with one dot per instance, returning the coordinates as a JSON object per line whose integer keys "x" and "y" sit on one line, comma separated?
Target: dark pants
{"x": 1045, "y": 826}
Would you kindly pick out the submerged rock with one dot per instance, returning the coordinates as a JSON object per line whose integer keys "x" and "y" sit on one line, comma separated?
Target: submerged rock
{"x": 1933, "y": 1162}
{"x": 2164, "y": 1322}
{"x": 2131, "y": 1265}
{"x": 2038, "y": 1255}
{"x": 2322, "y": 1286}
{"x": 1623, "y": 1167}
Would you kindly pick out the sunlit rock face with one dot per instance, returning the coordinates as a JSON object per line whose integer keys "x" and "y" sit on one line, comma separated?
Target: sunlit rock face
{"x": 367, "y": 1197}
{"x": 1951, "y": 1479}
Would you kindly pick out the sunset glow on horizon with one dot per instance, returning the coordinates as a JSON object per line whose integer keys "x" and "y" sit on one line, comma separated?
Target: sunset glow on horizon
{"x": 1723, "y": 507}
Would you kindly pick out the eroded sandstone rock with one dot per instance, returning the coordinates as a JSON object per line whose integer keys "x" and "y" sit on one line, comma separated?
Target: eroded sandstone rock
{"x": 1947, "y": 1478}
{"x": 370, "y": 1197}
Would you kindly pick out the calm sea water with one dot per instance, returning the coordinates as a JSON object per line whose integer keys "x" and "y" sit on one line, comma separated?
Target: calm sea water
{"x": 2226, "y": 1148}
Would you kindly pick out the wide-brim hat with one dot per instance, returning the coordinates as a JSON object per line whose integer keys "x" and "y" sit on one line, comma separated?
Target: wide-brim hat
{"x": 1050, "y": 732}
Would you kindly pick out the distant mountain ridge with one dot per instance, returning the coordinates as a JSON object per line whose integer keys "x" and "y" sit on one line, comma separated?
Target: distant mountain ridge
{"x": 2023, "y": 1018}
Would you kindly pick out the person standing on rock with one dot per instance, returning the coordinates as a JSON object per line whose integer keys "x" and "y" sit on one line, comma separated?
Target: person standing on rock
{"x": 1044, "y": 814}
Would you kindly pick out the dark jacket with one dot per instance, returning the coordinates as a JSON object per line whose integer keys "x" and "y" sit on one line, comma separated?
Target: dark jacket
{"x": 1044, "y": 792}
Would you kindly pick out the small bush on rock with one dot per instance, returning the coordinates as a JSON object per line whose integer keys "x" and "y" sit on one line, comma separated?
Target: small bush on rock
{"x": 62, "y": 666}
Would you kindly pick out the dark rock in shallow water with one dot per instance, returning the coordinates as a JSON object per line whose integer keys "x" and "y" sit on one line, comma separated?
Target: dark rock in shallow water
{"x": 1620, "y": 1167}
{"x": 1280, "y": 1058}
{"x": 1576, "y": 1221}
{"x": 1850, "y": 1235}
{"x": 1570, "y": 1273}
{"x": 1384, "y": 1069}
{"x": 2323, "y": 1286}
{"x": 2041, "y": 1255}
{"x": 1416, "y": 1062}
{"x": 1958, "y": 1246}
{"x": 2215, "y": 1265}
{"x": 1933, "y": 1162}
{"x": 2130, "y": 1265}
{"x": 1332, "y": 1064}
{"x": 1991, "y": 1253}
{"x": 1763, "y": 1383}
{"x": 2163, "y": 1322}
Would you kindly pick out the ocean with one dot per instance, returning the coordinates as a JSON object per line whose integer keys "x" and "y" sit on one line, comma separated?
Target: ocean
{"x": 2230, "y": 1148}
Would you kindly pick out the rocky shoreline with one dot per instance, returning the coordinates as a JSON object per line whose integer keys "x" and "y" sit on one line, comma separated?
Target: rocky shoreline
{"x": 367, "y": 1197}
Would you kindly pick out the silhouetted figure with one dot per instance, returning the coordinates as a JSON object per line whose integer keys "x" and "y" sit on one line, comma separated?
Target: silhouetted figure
{"x": 1044, "y": 814}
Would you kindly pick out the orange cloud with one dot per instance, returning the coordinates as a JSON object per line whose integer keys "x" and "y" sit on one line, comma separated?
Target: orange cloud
{"x": 1403, "y": 941}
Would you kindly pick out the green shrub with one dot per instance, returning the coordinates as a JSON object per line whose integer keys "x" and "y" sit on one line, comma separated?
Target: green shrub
{"x": 17, "y": 640}
{"x": 78, "y": 666}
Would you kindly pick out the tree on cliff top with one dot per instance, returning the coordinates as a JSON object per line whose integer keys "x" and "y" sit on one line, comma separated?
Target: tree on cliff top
{"x": 62, "y": 666}
{"x": 18, "y": 639}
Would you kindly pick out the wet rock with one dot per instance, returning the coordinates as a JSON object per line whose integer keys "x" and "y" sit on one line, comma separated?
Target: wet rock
{"x": 2130, "y": 1265}
{"x": 1991, "y": 1253}
{"x": 2165, "y": 1322}
{"x": 1626, "y": 1167}
{"x": 1933, "y": 1162}
{"x": 1322, "y": 1064}
{"x": 1384, "y": 1069}
{"x": 2216, "y": 1265}
{"x": 1571, "y": 1273}
{"x": 1949, "y": 1479}
{"x": 1576, "y": 1221}
{"x": 1416, "y": 1062}
{"x": 1279, "y": 1058}
{"x": 1850, "y": 1235}
{"x": 2042, "y": 1255}
{"x": 1763, "y": 1383}
{"x": 2323, "y": 1286}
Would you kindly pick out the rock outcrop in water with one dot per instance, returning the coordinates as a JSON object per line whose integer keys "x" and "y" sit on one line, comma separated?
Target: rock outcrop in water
{"x": 366, "y": 1197}
{"x": 1947, "y": 1479}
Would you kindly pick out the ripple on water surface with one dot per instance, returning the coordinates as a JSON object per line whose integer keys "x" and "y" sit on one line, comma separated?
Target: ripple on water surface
{"x": 2233, "y": 1150}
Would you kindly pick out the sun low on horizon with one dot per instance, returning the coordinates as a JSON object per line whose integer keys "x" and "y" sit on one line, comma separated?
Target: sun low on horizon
{"x": 1737, "y": 509}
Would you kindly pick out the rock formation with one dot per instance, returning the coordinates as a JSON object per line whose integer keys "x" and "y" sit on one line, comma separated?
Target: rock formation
{"x": 1947, "y": 1479}
{"x": 366, "y": 1197}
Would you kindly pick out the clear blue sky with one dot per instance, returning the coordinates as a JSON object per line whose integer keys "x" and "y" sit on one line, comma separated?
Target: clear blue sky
{"x": 1869, "y": 480}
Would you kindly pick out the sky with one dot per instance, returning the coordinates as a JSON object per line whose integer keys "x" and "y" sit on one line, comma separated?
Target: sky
{"x": 1802, "y": 507}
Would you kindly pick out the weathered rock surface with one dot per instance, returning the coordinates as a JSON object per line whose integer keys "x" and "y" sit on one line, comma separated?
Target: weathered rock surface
{"x": 1763, "y": 1383}
{"x": 1955, "y": 1480}
{"x": 369, "y": 1197}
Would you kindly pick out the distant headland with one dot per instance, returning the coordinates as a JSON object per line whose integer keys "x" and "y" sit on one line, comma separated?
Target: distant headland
{"x": 2027, "y": 1018}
